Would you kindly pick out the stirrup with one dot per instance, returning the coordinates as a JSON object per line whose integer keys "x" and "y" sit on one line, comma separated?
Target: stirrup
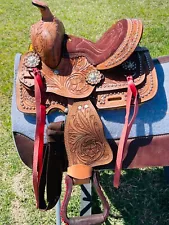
{"x": 85, "y": 220}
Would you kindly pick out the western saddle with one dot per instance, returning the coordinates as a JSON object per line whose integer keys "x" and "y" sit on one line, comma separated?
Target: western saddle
{"x": 78, "y": 78}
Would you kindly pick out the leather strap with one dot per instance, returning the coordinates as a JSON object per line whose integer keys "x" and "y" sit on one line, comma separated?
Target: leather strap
{"x": 131, "y": 92}
{"x": 54, "y": 159}
{"x": 39, "y": 133}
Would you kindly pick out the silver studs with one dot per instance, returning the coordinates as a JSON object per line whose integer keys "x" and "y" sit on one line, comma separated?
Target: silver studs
{"x": 86, "y": 106}
{"x": 79, "y": 107}
{"x": 66, "y": 110}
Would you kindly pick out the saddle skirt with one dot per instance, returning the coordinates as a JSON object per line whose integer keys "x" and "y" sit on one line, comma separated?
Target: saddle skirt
{"x": 73, "y": 79}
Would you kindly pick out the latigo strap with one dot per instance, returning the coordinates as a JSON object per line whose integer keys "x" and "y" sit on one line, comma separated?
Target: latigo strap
{"x": 132, "y": 92}
{"x": 39, "y": 133}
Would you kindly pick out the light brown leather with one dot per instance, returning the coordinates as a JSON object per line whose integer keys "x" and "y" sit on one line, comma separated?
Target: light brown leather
{"x": 84, "y": 140}
{"x": 70, "y": 82}
{"x": 66, "y": 65}
{"x": 112, "y": 92}
{"x": 47, "y": 36}
{"x": 80, "y": 171}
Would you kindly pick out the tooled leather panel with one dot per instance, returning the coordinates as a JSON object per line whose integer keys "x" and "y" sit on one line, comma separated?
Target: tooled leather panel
{"x": 98, "y": 52}
{"x": 46, "y": 38}
{"x": 115, "y": 78}
{"x": 69, "y": 80}
{"x": 127, "y": 47}
{"x": 112, "y": 92}
{"x": 25, "y": 99}
{"x": 84, "y": 136}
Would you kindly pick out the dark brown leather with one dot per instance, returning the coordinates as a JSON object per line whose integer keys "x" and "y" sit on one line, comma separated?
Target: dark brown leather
{"x": 85, "y": 220}
{"x": 25, "y": 148}
{"x": 139, "y": 151}
{"x": 142, "y": 152}
{"x": 114, "y": 42}
{"x": 55, "y": 132}
{"x": 54, "y": 163}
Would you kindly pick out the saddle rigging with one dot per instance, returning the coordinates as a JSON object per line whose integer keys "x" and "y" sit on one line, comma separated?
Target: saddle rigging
{"x": 78, "y": 77}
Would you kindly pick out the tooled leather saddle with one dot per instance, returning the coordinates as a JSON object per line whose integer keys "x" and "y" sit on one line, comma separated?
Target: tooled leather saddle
{"x": 78, "y": 78}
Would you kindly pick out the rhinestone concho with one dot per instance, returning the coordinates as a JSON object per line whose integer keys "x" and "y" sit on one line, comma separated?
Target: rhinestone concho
{"x": 94, "y": 77}
{"x": 32, "y": 60}
{"x": 129, "y": 65}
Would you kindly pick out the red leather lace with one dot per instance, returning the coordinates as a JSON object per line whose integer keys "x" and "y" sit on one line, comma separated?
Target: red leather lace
{"x": 39, "y": 133}
{"x": 131, "y": 92}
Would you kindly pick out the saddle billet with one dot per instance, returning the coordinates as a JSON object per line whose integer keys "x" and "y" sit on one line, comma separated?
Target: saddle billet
{"x": 79, "y": 77}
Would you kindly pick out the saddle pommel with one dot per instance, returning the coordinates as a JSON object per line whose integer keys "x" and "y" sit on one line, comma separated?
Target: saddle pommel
{"x": 45, "y": 11}
{"x": 47, "y": 36}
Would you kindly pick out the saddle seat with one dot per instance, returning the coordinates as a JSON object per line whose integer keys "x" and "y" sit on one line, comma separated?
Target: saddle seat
{"x": 113, "y": 48}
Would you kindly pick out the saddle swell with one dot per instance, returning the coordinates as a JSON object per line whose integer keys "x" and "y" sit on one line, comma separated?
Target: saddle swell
{"x": 78, "y": 77}
{"x": 47, "y": 36}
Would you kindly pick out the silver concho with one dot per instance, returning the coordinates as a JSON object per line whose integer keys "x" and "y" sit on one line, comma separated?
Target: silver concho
{"x": 129, "y": 65}
{"x": 31, "y": 60}
{"x": 94, "y": 77}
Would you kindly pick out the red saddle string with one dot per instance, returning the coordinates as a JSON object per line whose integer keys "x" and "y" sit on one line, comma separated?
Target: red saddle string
{"x": 131, "y": 92}
{"x": 39, "y": 132}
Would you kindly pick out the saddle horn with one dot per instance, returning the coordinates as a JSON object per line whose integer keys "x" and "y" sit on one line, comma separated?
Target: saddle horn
{"x": 44, "y": 9}
{"x": 47, "y": 36}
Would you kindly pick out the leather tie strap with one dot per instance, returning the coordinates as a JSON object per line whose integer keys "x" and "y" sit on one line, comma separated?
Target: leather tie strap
{"x": 39, "y": 133}
{"x": 131, "y": 92}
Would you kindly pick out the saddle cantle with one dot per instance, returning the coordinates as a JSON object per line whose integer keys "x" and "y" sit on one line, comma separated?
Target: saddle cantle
{"x": 78, "y": 77}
